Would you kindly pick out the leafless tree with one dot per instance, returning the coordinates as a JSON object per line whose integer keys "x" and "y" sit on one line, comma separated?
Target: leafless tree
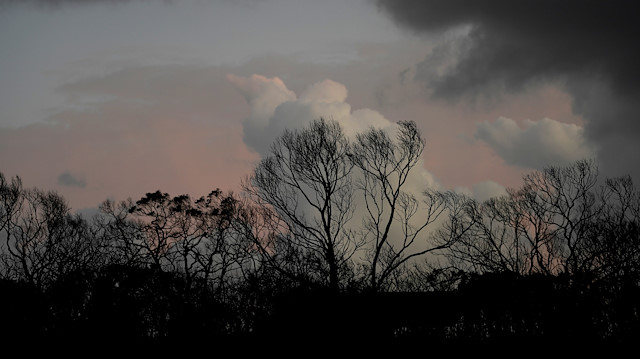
{"x": 10, "y": 193}
{"x": 121, "y": 235}
{"x": 218, "y": 251}
{"x": 502, "y": 234}
{"x": 562, "y": 221}
{"x": 43, "y": 241}
{"x": 395, "y": 220}
{"x": 175, "y": 234}
{"x": 614, "y": 238}
{"x": 307, "y": 181}
{"x": 568, "y": 195}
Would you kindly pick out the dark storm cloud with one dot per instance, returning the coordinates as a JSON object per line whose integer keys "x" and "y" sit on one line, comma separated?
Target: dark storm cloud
{"x": 520, "y": 41}
{"x": 589, "y": 46}
{"x": 70, "y": 180}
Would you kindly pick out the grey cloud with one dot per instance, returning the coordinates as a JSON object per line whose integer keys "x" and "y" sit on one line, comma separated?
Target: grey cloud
{"x": 536, "y": 145}
{"x": 590, "y": 47}
{"x": 519, "y": 41}
{"x": 483, "y": 191}
{"x": 70, "y": 180}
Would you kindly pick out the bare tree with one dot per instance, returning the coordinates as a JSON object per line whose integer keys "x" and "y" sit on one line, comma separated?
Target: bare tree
{"x": 120, "y": 234}
{"x": 218, "y": 250}
{"x": 162, "y": 228}
{"x": 560, "y": 222}
{"x": 307, "y": 181}
{"x": 394, "y": 219}
{"x": 176, "y": 234}
{"x": 568, "y": 194}
{"x": 614, "y": 238}
{"x": 42, "y": 240}
{"x": 502, "y": 234}
{"x": 10, "y": 194}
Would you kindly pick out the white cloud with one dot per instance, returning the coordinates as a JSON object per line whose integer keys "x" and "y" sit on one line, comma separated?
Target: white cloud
{"x": 535, "y": 145}
{"x": 325, "y": 91}
{"x": 263, "y": 95}
{"x": 275, "y": 108}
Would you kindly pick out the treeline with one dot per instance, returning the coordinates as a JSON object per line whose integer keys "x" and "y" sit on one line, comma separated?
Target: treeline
{"x": 327, "y": 240}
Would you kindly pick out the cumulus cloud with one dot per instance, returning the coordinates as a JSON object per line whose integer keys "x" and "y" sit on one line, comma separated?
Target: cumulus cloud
{"x": 536, "y": 144}
{"x": 70, "y": 180}
{"x": 263, "y": 95}
{"x": 275, "y": 108}
{"x": 326, "y": 91}
{"x": 324, "y": 99}
{"x": 590, "y": 48}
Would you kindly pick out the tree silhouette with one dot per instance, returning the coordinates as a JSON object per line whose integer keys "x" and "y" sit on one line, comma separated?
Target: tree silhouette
{"x": 552, "y": 262}
{"x": 395, "y": 218}
{"x": 306, "y": 181}
{"x": 42, "y": 240}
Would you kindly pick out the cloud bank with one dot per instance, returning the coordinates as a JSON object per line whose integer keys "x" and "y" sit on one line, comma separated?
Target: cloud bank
{"x": 275, "y": 108}
{"x": 535, "y": 145}
{"x": 589, "y": 47}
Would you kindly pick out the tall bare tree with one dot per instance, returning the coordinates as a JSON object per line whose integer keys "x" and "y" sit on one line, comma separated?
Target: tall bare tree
{"x": 394, "y": 219}
{"x": 307, "y": 181}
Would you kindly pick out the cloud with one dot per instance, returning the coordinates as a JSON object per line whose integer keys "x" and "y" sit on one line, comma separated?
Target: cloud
{"x": 519, "y": 41}
{"x": 483, "y": 191}
{"x": 326, "y": 91}
{"x": 326, "y": 99}
{"x": 488, "y": 189}
{"x": 537, "y": 144}
{"x": 275, "y": 108}
{"x": 69, "y": 180}
{"x": 590, "y": 47}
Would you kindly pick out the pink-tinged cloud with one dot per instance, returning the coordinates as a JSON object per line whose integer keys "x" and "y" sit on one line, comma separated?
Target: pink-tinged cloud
{"x": 453, "y": 153}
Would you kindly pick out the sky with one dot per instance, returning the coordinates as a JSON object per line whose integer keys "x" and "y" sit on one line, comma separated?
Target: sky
{"x": 113, "y": 99}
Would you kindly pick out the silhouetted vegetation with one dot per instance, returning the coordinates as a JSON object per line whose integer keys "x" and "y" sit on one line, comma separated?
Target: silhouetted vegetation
{"x": 327, "y": 242}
